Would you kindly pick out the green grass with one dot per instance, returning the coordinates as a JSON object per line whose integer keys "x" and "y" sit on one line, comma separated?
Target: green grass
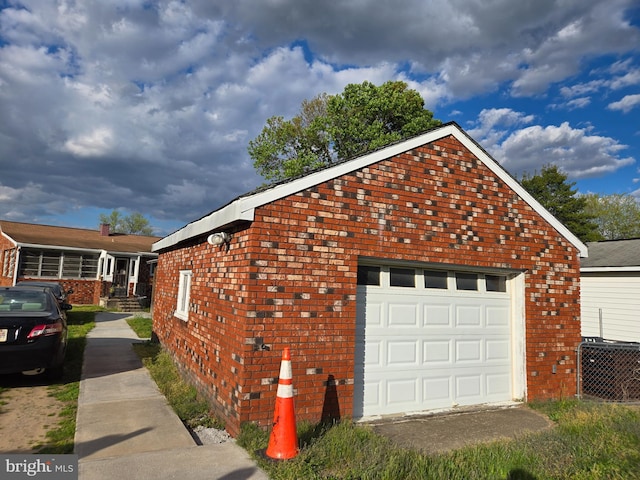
{"x": 589, "y": 442}
{"x": 60, "y": 439}
{"x": 142, "y": 326}
{"x": 190, "y": 407}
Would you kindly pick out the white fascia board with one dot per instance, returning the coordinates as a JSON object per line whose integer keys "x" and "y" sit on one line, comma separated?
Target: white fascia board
{"x": 59, "y": 247}
{"x": 15, "y": 244}
{"x": 233, "y": 212}
{"x": 244, "y": 207}
{"x": 609, "y": 269}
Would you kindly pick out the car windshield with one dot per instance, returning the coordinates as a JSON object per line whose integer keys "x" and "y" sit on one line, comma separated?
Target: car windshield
{"x": 22, "y": 300}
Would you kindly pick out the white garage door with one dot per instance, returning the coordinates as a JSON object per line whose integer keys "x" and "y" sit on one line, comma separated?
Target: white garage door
{"x": 431, "y": 339}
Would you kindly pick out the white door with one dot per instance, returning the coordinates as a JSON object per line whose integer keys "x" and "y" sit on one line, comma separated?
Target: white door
{"x": 429, "y": 339}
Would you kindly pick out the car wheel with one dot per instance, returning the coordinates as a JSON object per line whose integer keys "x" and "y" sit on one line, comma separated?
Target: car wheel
{"x": 55, "y": 373}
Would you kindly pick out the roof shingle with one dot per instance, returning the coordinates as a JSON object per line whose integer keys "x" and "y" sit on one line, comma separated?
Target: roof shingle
{"x": 613, "y": 253}
{"x": 28, "y": 233}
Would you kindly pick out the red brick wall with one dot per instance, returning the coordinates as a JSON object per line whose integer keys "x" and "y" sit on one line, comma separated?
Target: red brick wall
{"x": 85, "y": 292}
{"x": 289, "y": 279}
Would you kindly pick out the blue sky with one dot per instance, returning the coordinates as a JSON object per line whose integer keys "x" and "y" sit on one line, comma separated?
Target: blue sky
{"x": 149, "y": 106}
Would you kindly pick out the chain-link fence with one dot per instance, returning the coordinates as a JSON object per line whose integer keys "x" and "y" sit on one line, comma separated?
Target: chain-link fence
{"x": 609, "y": 370}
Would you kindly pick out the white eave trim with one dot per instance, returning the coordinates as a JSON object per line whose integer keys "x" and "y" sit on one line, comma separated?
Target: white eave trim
{"x": 15, "y": 244}
{"x": 58, "y": 247}
{"x": 635, "y": 268}
{"x": 244, "y": 208}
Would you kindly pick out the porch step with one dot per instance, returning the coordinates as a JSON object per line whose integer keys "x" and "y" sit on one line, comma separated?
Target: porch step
{"x": 128, "y": 304}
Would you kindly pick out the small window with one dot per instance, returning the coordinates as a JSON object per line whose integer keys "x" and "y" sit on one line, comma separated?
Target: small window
{"x": 466, "y": 281}
{"x": 368, "y": 275}
{"x": 435, "y": 279}
{"x": 402, "y": 277}
{"x": 496, "y": 283}
{"x": 184, "y": 293}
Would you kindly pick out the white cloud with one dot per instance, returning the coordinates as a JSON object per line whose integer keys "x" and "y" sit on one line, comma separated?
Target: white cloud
{"x": 96, "y": 143}
{"x": 576, "y": 151}
{"x": 628, "y": 103}
{"x": 152, "y": 104}
{"x": 493, "y": 124}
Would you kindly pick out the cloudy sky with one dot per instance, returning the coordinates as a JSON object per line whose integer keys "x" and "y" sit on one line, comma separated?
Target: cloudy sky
{"x": 149, "y": 106}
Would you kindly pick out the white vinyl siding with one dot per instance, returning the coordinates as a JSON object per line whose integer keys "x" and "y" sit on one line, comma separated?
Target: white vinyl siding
{"x": 184, "y": 295}
{"x": 617, "y": 296}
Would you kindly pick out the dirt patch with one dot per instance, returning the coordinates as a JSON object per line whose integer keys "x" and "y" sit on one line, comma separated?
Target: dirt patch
{"x": 27, "y": 413}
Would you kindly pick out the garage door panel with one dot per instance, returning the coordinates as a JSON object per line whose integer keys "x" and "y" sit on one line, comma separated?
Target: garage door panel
{"x": 468, "y": 351}
{"x": 403, "y": 315}
{"x": 373, "y": 354}
{"x": 437, "y": 315}
{"x": 373, "y": 314}
{"x": 497, "y": 386}
{"x": 498, "y": 350}
{"x": 402, "y": 391}
{"x": 468, "y": 316}
{"x": 402, "y": 353}
{"x": 372, "y": 394}
{"x": 436, "y": 391}
{"x": 497, "y": 316}
{"x": 468, "y": 389}
{"x": 436, "y": 352}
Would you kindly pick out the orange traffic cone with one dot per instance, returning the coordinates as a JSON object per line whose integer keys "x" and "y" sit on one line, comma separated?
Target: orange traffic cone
{"x": 283, "y": 442}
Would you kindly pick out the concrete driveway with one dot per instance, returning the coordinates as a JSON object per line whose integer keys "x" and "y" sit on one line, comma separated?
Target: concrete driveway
{"x": 437, "y": 433}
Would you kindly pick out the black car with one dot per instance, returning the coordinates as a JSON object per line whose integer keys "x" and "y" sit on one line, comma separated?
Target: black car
{"x": 33, "y": 331}
{"x": 57, "y": 289}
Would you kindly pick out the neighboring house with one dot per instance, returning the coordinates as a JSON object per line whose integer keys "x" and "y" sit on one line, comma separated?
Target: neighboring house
{"x": 610, "y": 290}
{"x": 418, "y": 277}
{"x": 96, "y": 264}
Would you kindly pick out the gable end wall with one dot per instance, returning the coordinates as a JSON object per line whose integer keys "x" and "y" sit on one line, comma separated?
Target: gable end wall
{"x": 289, "y": 279}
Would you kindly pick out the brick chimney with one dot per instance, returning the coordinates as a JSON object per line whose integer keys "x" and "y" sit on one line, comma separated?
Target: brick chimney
{"x": 104, "y": 229}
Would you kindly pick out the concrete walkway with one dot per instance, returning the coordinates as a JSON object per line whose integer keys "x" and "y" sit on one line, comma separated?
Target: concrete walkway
{"x": 125, "y": 428}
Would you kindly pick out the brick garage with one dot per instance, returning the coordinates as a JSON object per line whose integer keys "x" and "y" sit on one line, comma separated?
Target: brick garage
{"x": 289, "y": 276}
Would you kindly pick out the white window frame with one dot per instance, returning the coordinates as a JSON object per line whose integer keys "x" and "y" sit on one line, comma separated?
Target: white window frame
{"x": 184, "y": 294}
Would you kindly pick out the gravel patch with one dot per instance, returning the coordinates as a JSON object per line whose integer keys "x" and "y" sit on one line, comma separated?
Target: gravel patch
{"x": 210, "y": 436}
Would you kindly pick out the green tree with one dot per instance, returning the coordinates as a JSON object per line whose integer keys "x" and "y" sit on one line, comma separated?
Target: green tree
{"x": 329, "y": 127}
{"x": 134, "y": 224}
{"x": 366, "y": 117}
{"x": 557, "y": 195}
{"x": 617, "y": 216}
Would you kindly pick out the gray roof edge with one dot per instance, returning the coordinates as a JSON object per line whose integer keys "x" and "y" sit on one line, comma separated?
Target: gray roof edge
{"x": 633, "y": 268}
{"x": 243, "y": 207}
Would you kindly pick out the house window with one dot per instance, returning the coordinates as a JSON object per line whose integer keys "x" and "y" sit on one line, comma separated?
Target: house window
{"x": 435, "y": 279}
{"x": 466, "y": 281}
{"x": 57, "y": 264}
{"x": 368, "y": 275}
{"x": 402, "y": 277}
{"x": 496, "y": 283}
{"x": 184, "y": 293}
